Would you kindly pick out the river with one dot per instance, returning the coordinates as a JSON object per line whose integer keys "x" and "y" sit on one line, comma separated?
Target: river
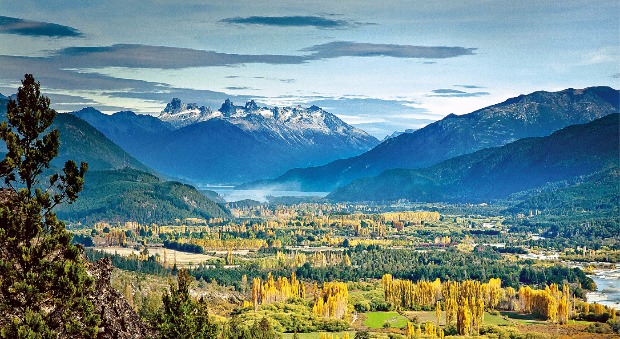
{"x": 608, "y": 292}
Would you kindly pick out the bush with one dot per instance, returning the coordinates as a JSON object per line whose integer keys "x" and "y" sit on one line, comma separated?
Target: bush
{"x": 598, "y": 328}
{"x": 601, "y": 318}
{"x": 614, "y": 324}
{"x": 451, "y": 330}
{"x": 380, "y": 305}
{"x": 362, "y": 306}
{"x": 333, "y": 325}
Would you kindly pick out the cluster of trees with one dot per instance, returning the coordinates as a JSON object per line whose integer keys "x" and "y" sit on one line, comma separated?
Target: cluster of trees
{"x": 373, "y": 261}
{"x": 332, "y": 300}
{"x": 430, "y": 330}
{"x": 333, "y": 336}
{"x": 466, "y": 301}
{"x": 235, "y": 243}
{"x": 183, "y": 316}
{"x": 150, "y": 266}
{"x": 405, "y": 294}
{"x": 184, "y": 247}
{"x": 551, "y": 303}
{"x": 274, "y": 290}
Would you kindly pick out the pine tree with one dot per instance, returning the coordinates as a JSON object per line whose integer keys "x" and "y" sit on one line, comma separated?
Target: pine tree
{"x": 182, "y": 316}
{"x": 44, "y": 287}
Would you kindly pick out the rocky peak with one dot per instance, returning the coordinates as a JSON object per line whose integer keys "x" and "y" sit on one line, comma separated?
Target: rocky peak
{"x": 173, "y": 106}
{"x": 228, "y": 108}
{"x": 251, "y": 106}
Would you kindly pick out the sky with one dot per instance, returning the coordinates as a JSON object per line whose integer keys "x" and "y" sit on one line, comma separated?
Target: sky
{"x": 382, "y": 66}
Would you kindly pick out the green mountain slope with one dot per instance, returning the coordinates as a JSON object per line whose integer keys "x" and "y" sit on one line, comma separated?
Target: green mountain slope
{"x": 117, "y": 186}
{"x": 132, "y": 195}
{"x": 495, "y": 173}
{"x": 593, "y": 195}
{"x": 82, "y": 142}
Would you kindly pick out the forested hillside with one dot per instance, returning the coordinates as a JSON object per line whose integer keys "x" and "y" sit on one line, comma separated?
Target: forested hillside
{"x": 132, "y": 195}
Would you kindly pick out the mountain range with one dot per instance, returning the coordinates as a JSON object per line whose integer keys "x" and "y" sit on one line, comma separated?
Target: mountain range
{"x": 234, "y": 144}
{"x": 533, "y": 115}
{"x": 495, "y": 173}
{"x": 117, "y": 187}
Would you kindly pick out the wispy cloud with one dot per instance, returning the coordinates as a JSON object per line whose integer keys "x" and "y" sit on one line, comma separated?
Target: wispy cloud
{"x": 447, "y": 93}
{"x": 379, "y": 117}
{"x": 162, "y": 57}
{"x": 9, "y": 25}
{"x": 468, "y": 86}
{"x": 355, "y": 49}
{"x": 146, "y": 56}
{"x": 601, "y": 55}
{"x": 291, "y": 21}
{"x": 240, "y": 88}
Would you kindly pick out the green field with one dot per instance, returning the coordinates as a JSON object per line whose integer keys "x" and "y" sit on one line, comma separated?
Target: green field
{"x": 426, "y": 316}
{"x": 316, "y": 335}
{"x": 521, "y": 318}
{"x": 495, "y": 320}
{"x": 377, "y": 319}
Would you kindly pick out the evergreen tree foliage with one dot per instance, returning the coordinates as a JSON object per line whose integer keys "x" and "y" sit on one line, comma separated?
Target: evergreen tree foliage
{"x": 44, "y": 287}
{"x": 181, "y": 315}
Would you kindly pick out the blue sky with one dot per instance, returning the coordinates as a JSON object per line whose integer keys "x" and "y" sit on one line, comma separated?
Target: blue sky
{"x": 381, "y": 66}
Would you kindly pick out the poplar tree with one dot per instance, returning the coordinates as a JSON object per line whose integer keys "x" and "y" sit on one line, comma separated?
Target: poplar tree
{"x": 44, "y": 287}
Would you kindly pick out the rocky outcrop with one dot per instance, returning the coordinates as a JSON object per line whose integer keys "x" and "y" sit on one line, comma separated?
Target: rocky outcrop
{"x": 118, "y": 318}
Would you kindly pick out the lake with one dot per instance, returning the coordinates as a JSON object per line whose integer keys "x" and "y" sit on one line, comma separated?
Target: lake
{"x": 230, "y": 194}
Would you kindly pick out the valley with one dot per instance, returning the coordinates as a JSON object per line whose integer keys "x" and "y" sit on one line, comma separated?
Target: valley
{"x": 359, "y": 244}
{"x": 501, "y": 223}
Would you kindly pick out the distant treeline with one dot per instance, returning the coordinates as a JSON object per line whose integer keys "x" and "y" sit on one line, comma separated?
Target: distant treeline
{"x": 183, "y": 247}
{"x": 150, "y": 266}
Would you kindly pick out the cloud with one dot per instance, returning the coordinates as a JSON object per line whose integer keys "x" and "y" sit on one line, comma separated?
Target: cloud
{"x": 290, "y": 21}
{"x": 455, "y": 93}
{"x": 240, "y": 88}
{"x": 379, "y": 117}
{"x": 9, "y": 25}
{"x": 162, "y": 57}
{"x": 146, "y": 56}
{"x": 448, "y": 91}
{"x": 601, "y": 56}
{"x": 355, "y": 49}
{"x": 468, "y": 86}
{"x": 99, "y": 90}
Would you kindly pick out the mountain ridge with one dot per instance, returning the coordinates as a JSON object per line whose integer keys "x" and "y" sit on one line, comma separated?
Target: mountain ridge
{"x": 495, "y": 173}
{"x": 255, "y": 142}
{"x": 535, "y": 114}
{"x": 293, "y": 125}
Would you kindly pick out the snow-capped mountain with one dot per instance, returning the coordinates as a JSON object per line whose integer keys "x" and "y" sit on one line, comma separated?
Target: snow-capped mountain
{"x": 295, "y": 126}
{"x": 233, "y": 144}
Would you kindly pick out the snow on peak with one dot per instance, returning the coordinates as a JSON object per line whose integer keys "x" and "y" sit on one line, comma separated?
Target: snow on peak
{"x": 294, "y": 125}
